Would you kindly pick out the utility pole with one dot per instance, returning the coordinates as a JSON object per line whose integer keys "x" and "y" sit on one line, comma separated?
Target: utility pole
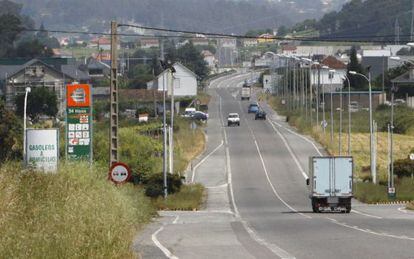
{"x": 412, "y": 21}
{"x": 397, "y": 32}
{"x": 113, "y": 130}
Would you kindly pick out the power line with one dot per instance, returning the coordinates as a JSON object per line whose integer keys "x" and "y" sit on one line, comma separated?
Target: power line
{"x": 349, "y": 39}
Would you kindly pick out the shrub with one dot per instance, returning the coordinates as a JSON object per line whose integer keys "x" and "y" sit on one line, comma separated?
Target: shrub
{"x": 403, "y": 168}
{"x": 155, "y": 184}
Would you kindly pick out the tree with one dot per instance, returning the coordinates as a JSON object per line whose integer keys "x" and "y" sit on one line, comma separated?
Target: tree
{"x": 139, "y": 76}
{"x": 282, "y": 31}
{"x": 10, "y": 27}
{"x": 40, "y": 101}
{"x": 192, "y": 59}
{"x": 356, "y": 81}
{"x": 10, "y": 134}
{"x": 32, "y": 49}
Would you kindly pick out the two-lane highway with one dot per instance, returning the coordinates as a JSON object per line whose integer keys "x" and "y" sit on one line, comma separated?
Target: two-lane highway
{"x": 257, "y": 201}
{"x": 269, "y": 164}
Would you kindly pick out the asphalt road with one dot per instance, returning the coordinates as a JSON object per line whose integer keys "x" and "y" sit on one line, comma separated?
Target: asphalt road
{"x": 258, "y": 205}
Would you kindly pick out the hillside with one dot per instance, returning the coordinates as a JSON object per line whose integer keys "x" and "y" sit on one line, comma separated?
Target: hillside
{"x": 202, "y": 15}
{"x": 368, "y": 18}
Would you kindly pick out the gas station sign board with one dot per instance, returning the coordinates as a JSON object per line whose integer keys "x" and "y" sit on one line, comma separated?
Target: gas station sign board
{"x": 78, "y": 122}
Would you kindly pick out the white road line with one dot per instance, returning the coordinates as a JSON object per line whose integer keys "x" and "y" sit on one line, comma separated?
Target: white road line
{"x": 300, "y": 136}
{"x": 272, "y": 247}
{"x": 176, "y": 220}
{"x": 217, "y": 187}
{"x": 365, "y": 214}
{"x": 273, "y": 187}
{"x": 166, "y": 252}
{"x": 203, "y": 160}
{"x": 404, "y": 210}
{"x": 290, "y": 151}
{"x": 368, "y": 231}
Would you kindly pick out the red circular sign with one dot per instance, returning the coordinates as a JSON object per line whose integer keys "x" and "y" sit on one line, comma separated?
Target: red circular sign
{"x": 119, "y": 173}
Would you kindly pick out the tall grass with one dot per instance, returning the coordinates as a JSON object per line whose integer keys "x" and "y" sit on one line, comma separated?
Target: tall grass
{"x": 190, "y": 197}
{"x": 403, "y": 143}
{"x": 372, "y": 193}
{"x": 189, "y": 143}
{"x": 76, "y": 213}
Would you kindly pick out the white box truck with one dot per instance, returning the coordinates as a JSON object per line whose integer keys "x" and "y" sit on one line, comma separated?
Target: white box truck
{"x": 245, "y": 93}
{"x": 330, "y": 181}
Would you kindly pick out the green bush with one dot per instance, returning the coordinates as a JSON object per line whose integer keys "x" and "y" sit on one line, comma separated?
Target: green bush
{"x": 154, "y": 184}
{"x": 404, "y": 168}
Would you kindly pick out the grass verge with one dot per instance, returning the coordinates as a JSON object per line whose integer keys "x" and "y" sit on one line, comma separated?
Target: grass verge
{"x": 190, "y": 197}
{"x": 76, "y": 213}
{"x": 373, "y": 193}
{"x": 189, "y": 143}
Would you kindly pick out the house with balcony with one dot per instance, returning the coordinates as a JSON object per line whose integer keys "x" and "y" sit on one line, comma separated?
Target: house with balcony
{"x": 51, "y": 73}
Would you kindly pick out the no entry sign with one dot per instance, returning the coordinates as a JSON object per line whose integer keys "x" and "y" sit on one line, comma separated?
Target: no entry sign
{"x": 119, "y": 173}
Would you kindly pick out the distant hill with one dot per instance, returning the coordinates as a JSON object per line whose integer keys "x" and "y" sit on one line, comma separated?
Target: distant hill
{"x": 201, "y": 15}
{"x": 368, "y": 18}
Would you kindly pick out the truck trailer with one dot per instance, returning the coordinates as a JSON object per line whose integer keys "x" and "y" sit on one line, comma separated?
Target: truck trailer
{"x": 330, "y": 181}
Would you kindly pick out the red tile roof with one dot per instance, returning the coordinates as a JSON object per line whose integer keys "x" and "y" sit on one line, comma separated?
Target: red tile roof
{"x": 333, "y": 63}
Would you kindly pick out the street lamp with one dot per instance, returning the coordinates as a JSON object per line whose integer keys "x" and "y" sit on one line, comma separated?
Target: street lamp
{"x": 371, "y": 135}
{"x": 323, "y": 101}
{"x": 27, "y": 91}
{"x": 331, "y": 75}
{"x": 345, "y": 77}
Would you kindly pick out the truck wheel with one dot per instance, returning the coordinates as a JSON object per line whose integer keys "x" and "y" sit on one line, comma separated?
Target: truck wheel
{"x": 238, "y": 124}
{"x": 348, "y": 208}
{"x": 228, "y": 124}
{"x": 315, "y": 208}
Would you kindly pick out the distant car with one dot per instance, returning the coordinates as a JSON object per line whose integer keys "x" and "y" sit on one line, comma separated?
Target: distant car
{"x": 233, "y": 119}
{"x": 201, "y": 116}
{"x": 354, "y": 106}
{"x": 398, "y": 102}
{"x": 260, "y": 115}
{"x": 253, "y": 108}
{"x": 189, "y": 112}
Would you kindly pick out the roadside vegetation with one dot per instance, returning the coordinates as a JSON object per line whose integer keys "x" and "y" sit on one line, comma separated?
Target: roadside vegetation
{"x": 403, "y": 146}
{"x": 75, "y": 213}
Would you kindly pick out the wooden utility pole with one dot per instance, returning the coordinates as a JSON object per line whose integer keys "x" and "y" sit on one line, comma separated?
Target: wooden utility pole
{"x": 113, "y": 130}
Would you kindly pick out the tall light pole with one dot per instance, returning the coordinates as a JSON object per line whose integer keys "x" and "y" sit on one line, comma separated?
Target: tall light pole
{"x": 27, "y": 91}
{"x": 331, "y": 75}
{"x": 371, "y": 135}
{"x": 349, "y": 113}
{"x": 323, "y": 101}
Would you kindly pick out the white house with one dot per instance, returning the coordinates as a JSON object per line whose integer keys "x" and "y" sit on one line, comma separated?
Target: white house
{"x": 330, "y": 82}
{"x": 184, "y": 81}
{"x": 209, "y": 58}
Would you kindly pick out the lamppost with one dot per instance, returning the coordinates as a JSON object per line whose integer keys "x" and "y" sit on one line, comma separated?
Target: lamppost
{"x": 323, "y": 101}
{"x": 371, "y": 135}
{"x": 349, "y": 113}
{"x": 331, "y": 75}
{"x": 27, "y": 91}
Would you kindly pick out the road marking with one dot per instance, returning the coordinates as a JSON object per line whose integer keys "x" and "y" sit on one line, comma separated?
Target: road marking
{"x": 365, "y": 214}
{"x": 217, "y": 187}
{"x": 370, "y": 231}
{"x": 272, "y": 186}
{"x": 272, "y": 247}
{"x": 290, "y": 151}
{"x": 176, "y": 220}
{"x": 166, "y": 252}
{"x": 302, "y": 137}
{"x": 404, "y": 210}
{"x": 203, "y": 160}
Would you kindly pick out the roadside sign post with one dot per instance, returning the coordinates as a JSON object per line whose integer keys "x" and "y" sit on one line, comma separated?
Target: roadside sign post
{"x": 79, "y": 122}
{"x": 42, "y": 149}
{"x": 119, "y": 173}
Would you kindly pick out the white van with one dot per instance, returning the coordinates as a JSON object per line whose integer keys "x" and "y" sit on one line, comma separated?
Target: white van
{"x": 188, "y": 112}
